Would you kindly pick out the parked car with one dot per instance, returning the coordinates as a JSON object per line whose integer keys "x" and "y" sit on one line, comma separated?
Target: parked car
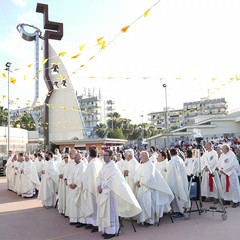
{"x": 3, "y": 161}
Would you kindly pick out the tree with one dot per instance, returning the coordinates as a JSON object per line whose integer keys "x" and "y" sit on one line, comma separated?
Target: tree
{"x": 115, "y": 133}
{"x": 114, "y": 120}
{"x": 3, "y": 116}
{"x": 25, "y": 121}
{"x": 101, "y": 130}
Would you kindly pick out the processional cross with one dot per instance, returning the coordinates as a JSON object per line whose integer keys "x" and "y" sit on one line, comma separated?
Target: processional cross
{"x": 54, "y": 30}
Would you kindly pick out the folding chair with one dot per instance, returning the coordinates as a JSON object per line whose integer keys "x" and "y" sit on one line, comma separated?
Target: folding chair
{"x": 121, "y": 224}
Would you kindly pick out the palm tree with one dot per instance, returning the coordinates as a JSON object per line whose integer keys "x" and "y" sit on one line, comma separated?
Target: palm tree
{"x": 25, "y": 121}
{"x": 3, "y": 116}
{"x": 114, "y": 120}
{"x": 101, "y": 130}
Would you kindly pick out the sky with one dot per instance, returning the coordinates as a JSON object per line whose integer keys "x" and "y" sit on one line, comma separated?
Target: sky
{"x": 192, "y": 46}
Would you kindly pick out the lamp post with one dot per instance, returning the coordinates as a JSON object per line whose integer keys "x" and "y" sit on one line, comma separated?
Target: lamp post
{"x": 166, "y": 112}
{"x": 7, "y": 68}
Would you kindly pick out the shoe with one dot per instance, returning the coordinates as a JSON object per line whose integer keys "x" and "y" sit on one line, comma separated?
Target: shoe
{"x": 209, "y": 199}
{"x": 178, "y": 216}
{"x": 147, "y": 224}
{"x": 94, "y": 229}
{"x": 226, "y": 202}
{"x": 216, "y": 201}
{"x": 72, "y": 223}
{"x": 235, "y": 205}
{"x": 107, "y": 236}
{"x": 88, "y": 226}
{"x": 80, "y": 225}
{"x": 104, "y": 234}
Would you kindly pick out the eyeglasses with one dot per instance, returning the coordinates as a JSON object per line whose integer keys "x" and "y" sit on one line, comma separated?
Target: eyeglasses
{"x": 65, "y": 157}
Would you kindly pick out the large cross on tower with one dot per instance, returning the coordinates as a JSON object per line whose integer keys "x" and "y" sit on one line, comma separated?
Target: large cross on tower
{"x": 54, "y": 30}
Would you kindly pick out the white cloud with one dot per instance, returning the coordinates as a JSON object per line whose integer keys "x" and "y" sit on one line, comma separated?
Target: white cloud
{"x": 21, "y": 3}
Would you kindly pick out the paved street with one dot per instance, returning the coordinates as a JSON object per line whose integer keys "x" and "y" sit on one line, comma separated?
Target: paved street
{"x": 25, "y": 219}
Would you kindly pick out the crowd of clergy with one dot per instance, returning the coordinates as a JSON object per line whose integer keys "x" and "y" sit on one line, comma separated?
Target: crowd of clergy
{"x": 99, "y": 189}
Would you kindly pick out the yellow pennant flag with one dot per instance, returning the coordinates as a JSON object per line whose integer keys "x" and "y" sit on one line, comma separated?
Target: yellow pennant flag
{"x": 24, "y": 77}
{"x": 12, "y": 80}
{"x": 81, "y": 47}
{"x": 39, "y": 70}
{"x": 44, "y": 60}
{"x": 103, "y": 44}
{"x": 59, "y": 77}
{"x": 3, "y": 74}
{"x": 237, "y": 78}
{"x": 35, "y": 78}
{"x": 125, "y": 29}
{"x": 75, "y": 56}
{"x": 100, "y": 39}
{"x": 91, "y": 57}
{"x": 4, "y": 96}
{"x": 82, "y": 66}
{"x": 29, "y": 65}
{"x": 178, "y": 78}
{"x": 17, "y": 99}
{"x": 62, "y": 54}
{"x": 214, "y": 79}
{"x": 146, "y": 13}
{"x": 16, "y": 69}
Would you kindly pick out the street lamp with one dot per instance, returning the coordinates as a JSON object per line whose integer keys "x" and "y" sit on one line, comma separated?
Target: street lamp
{"x": 7, "y": 68}
{"x": 166, "y": 111}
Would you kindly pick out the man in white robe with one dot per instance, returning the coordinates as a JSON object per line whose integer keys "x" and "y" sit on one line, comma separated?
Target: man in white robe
{"x": 49, "y": 182}
{"x": 153, "y": 192}
{"x": 162, "y": 163}
{"x": 178, "y": 183}
{"x": 63, "y": 167}
{"x": 18, "y": 173}
{"x": 130, "y": 168}
{"x": 89, "y": 200}
{"x": 115, "y": 198}
{"x": 13, "y": 172}
{"x": 29, "y": 178}
{"x": 120, "y": 162}
{"x": 229, "y": 176}
{"x": 8, "y": 168}
{"x": 68, "y": 179}
{"x": 39, "y": 162}
{"x": 210, "y": 188}
{"x": 74, "y": 210}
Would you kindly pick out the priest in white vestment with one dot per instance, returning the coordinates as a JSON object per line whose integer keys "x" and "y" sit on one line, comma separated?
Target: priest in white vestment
{"x": 63, "y": 167}
{"x": 120, "y": 162}
{"x": 39, "y": 162}
{"x": 153, "y": 192}
{"x": 178, "y": 183}
{"x": 68, "y": 179}
{"x": 29, "y": 178}
{"x": 8, "y": 168}
{"x": 115, "y": 198}
{"x": 161, "y": 164}
{"x": 49, "y": 182}
{"x": 89, "y": 200}
{"x": 74, "y": 210}
{"x": 18, "y": 172}
{"x": 210, "y": 188}
{"x": 130, "y": 168}
{"x": 229, "y": 176}
{"x": 13, "y": 172}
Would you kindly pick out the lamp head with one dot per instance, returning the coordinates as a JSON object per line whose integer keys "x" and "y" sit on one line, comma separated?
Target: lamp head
{"x": 8, "y": 65}
{"x": 164, "y": 85}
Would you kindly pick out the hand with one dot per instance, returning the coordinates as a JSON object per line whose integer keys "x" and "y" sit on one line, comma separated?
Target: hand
{"x": 60, "y": 175}
{"x": 125, "y": 173}
{"x": 206, "y": 169}
{"x": 138, "y": 184}
{"x": 99, "y": 189}
{"x": 73, "y": 186}
{"x": 43, "y": 171}
{"x": 165, "y": 170}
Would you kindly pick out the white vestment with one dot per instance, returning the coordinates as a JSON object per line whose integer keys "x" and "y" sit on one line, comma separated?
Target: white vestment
{"x": 49, "y": 184}
{"x": 132, "y": 167}
{"x": 154, "y": 194}
{"x": 178, "y": 183}
{"x": 29, "y": 179}
{"x": 68, "y": 179}
{"x": 19, "y": 168}
{"x": 116, "y": 199}
{"x": 74, "y": 210}
{"x": 89, "y": 211}
{"x": 229, "y": 165}
{"x": 39, "y": 166}
{"x": 9, "y": 165}
{"x": 210, "y": 187}
{"x": 62, "y": 188}
{"x": 121, "y": 165}
{"x": 162, "y": 167}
